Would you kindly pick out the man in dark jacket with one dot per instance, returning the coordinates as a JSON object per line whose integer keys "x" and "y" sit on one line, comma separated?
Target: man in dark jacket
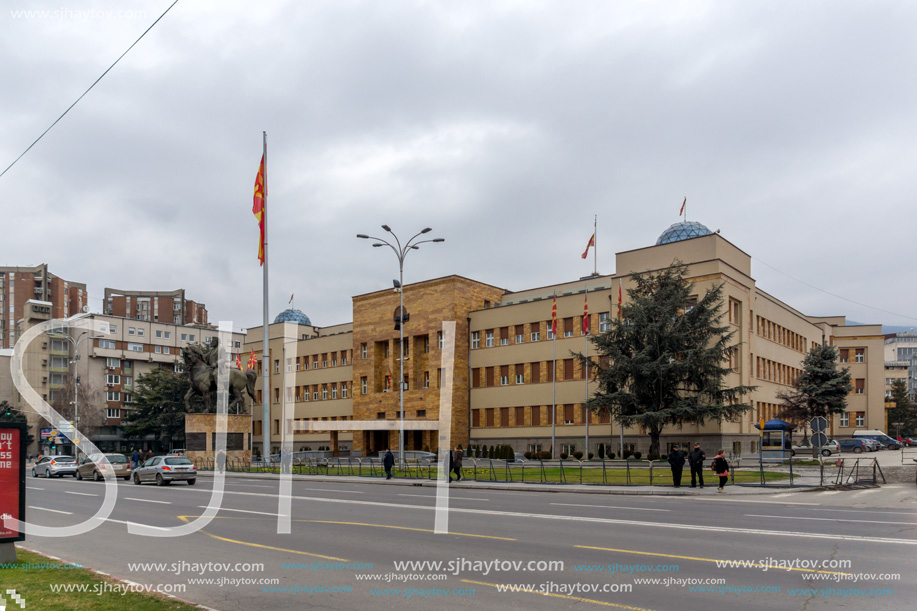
{"x": 388, "y": 461}
{"x": 457, "y": 463}
{"x": 696, "y": 460}
{"x": 677, "y": 461}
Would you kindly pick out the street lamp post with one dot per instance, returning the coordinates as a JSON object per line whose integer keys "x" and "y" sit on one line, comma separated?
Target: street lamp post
{"x": 76, "y": 356}
{"x": 401, "y": 252}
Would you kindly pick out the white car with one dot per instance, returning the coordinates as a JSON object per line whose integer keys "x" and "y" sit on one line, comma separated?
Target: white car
{"x": 831, "y": 447}
{"x": 55, "y": 465}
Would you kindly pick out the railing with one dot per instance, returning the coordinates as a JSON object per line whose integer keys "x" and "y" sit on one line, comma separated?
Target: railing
{"x": 743, "y": 471}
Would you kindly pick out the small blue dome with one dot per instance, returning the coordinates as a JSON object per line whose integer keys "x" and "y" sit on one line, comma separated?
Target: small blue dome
{"x": 683, "y": 231}
{"x": 292, "y": 315}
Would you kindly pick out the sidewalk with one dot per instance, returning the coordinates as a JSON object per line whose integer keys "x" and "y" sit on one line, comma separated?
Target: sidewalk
{"x": 685, "y": 490}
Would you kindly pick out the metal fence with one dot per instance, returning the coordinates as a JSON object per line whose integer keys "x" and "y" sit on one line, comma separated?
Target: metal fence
{"x": 743, "y": 471}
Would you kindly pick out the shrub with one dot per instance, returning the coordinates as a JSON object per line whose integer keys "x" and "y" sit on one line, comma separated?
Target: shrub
{"x": 578, "y": 455}
{"x": 545, "y": 455}
{"x": 527, "y": 455}
{"x": 492, "y": 453}
{"x": 637, "y": 455}
{"x": 563, "y": 456}
{"x": 426, "y": 448}
{"x": 626, "y": 454}
{"x": 611, "y": 456}
{"x": 653, "y": 456}
{"x": 591, "y": 455}
{"x": 308, "y": 448}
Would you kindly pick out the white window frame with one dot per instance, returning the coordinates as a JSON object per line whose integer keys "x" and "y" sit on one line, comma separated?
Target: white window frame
{"x": 363, "y": 351}
{"x": 112, "y": 378}
{"x": 489, "y": 339}
{"x": 604, "y": 322}
{"x": 112, "y": 412}
{"x": 364, "y": 386}
{"x": 334, "y": 391}
{"x": 107, "y": 344}
{"x": 520, "y": 338}
{"x": 535, "y": 336}
{"x": 475, "y": 340}
{"x": 861, "y": 419}
{"x": 504, "y": 380}
{"x": 520, "y": 378}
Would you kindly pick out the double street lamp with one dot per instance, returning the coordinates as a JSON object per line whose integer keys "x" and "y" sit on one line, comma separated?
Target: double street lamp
{"x": 401, "y": 252}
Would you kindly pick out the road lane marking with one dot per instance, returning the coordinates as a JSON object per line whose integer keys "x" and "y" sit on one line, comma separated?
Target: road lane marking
{"x": 564, "y": 596}
{"x": 759, "y": 565}
{"x": 749, "y": 515}
{"x": 451, "y": 497}
{"x": 147, "y": 500}
{"x": 146, "y": 525}
{"x": 609, "y": 507}
{"x": 260, "y": 546}
{"x": 80, "y": 493}
{"x": 862, "y": 492}
{"x": 69, "y": 513}
{"x": 722, "y": 500}
{"x": 34, "y": 488}
{"x": 341, "y": 491}
{"x": 877, "y": 512}
{"x": 829, "y": 492}
{"x": 617, "y": 521}
{"x": 423, "y": 530}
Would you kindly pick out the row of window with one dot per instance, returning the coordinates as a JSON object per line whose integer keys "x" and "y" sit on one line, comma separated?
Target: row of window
{"x": 518, "y": 333}
{"x": 781, "y": 335}
{"x": 302, "y": 362}
{"x": 386, "y": 382}
{"x": 538, "y": 415}
{"x": 527, "y": 373}
{"x": 859, "y": 355}
{"x": 114, "y": 395}
{"x": 422, "y": 343}
{"x": 318, "y": 392}
{"x": 772, "y": 371}
{"x": 859, "y": 419}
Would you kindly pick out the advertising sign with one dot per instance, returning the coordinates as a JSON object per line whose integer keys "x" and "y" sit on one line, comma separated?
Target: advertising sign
{"x": 12, "y": 478}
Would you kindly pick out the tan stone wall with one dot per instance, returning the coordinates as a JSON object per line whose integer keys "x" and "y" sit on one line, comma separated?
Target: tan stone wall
{"x": 206, "y": 423}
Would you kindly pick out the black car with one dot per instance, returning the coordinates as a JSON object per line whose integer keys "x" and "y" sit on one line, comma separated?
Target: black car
{"x": 857, "y": 446}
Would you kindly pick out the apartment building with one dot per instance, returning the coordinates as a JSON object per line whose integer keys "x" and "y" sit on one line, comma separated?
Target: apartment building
{"x": 106, "y": 367}
{"x": 19, "y": 285}
{"x": 156, "y": 306}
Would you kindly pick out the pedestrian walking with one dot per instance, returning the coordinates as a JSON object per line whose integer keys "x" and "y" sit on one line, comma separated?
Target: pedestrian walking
{"x": 721, "y": 468}
{"x": 457, "y": 463}
{"x": 149, "y": 454}
{"x": 677, "y": 462}
{"x": 388, "y": 461}
{"x": 696, "y": 462}
{"x": 135, "y": 458}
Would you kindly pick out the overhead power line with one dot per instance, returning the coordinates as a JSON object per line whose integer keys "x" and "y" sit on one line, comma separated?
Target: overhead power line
{"x": 87, "y": 91}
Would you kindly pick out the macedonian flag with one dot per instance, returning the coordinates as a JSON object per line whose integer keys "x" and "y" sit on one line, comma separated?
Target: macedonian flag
{"x": 258, "y": 208}
{"x": 252, "y": 360}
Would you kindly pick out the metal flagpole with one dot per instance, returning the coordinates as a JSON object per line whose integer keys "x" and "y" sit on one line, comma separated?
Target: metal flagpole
{"x": 265, "y": 350}
{"x": 595, "y": 246}
{"x": 621, "y": 442}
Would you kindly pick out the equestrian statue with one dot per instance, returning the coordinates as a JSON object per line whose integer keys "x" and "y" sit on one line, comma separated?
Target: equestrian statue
{"x": 202, "y": 365}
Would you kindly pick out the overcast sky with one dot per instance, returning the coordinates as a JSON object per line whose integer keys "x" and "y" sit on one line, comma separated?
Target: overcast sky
{"x": 505, "y": 126}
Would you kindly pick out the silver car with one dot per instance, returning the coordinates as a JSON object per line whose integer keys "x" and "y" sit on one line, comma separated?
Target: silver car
{"x": 55, "y": 465}
{"x": 165, "y": 469}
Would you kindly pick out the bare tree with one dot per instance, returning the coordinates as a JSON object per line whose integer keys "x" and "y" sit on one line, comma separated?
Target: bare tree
{"x": 91, "y": 405}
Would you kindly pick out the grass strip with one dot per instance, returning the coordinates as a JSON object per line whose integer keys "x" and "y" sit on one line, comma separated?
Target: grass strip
{"x": 33, "y": 575}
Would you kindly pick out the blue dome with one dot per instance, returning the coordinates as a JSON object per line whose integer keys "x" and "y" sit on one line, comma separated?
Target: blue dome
{"x": 683, "y": 231}
{"x": 292, "y": 315}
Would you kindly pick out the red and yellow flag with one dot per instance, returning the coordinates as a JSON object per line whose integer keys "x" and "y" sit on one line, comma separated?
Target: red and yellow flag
{"x": 682, "y": 211}
{"x": 239, "y": 361}
{"x": 258, "y": 208}
{"x": 589, "y": 245}
{"x": 586, "y": 315}
{"x": 252, "y": 360}
{"x": 554, "y": 317}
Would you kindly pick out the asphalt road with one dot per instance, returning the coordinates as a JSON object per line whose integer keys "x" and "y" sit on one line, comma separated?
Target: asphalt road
{"x": 607, "y": 546}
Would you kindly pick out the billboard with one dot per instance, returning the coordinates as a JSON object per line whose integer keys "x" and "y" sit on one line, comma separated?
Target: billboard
{"x": 12, "y": 478}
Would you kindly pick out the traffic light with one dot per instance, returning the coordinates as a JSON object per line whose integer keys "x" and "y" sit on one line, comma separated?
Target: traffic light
{"x": 9, "y": 411}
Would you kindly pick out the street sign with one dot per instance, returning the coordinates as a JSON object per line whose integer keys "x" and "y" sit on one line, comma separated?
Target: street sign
{"x": 819, "y": 424}
{"x": 761, "y": 434}
{"x": 819, "y": 440}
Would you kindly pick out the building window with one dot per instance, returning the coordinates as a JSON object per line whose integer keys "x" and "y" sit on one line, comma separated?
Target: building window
{"x": 128, "y": 381}
{"x": 845, "y": 419}
{"x": 489, "y": 339}
{"x": 112, "y": 379}
{"x": 363, "y": 350}
{"x": 475, "y": 340}
{"x": 191, "y": 337}
{"x": 489, "y": 416}
{"x": 426, "y": 379}
{"x": 112, "y": 395}
{"x": 440, "y": 339}
{"x": 343, "y": 390}
{"x": 504, "y": 336}
{"x": 167, "y": 334}
{"x": 860, "y": 355}
{"x": 568, "y": 369}
{"x": 549, "y": 331}
{"x": 489, "y": 376}
{"x": 112, "y": 412}
{"x": 604, "y": 322}
{"x": 844, "y": 356}
{"x": 277, "y": 366}
{"x": 158, "y": 350}
{"x": 140, "y": 332}
{"x": 324, "y": 392}
{"x": 568, "y": 327}
{"x": 860, "y": 386}
{"x": 112, "y": 363}
{"x": 504, "y": 416}
{"x": 476, "y": 418}
{"x": 130, "y": 346}
{"x": 536, "y": 372}
{"x": 289, "y": 365}
{"x": 520, "y": 373}
{"x": 131, "y": 330}
{"x": 107, "y": 343}
{"x": 861, "y": 418}
{"x": 159, "y": 334}
{"x": 166, "y": 350}
{"x": 334, "y": 391}
{"x": 536, "y": 333}
{"x": 568, "y": 414}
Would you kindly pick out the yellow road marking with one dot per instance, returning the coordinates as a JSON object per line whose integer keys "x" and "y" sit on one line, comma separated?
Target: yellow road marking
{"x": 277, "y": 549}
{"x": 774, "y": 566}
{"x": 564, "y": 596}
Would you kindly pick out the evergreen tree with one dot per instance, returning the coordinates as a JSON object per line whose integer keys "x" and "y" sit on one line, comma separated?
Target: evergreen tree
{"x": 904, "y": 411}
{"x": 158, "y": 407}
{"x": 665, "y": 363}
{"x": 820, "y": 390}
{"x": 8, "y": 414}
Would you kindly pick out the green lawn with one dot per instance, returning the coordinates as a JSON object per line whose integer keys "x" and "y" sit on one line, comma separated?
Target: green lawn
{"x": 34, "y": 585}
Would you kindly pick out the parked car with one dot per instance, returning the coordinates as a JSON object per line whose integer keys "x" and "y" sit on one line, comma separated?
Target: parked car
{"x": 165, "y": 469}
{"x": 910, "y": 441}
{"x": 857, "y": 446}
{"x": 831, "y": 447}
{"x": 98, "y": 466}
{"x": 871, "y": 444}
{"x": 884, "y": 440}
{"x": 58, "y": 465}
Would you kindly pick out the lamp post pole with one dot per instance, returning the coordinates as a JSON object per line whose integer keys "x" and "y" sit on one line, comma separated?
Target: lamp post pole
{"x": 76, "y": 406}
{"x": 401, "y": 252}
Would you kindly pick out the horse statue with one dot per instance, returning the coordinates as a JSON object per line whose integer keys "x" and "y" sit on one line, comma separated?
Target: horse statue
{"x": 202, "y": 367}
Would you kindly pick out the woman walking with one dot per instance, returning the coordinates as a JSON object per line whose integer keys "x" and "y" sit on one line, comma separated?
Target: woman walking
{"x": 721, "y": 468}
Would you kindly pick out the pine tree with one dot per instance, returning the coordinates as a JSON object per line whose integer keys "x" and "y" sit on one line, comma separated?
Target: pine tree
{"x": 820, "y": 390}
{"x": 904, "y": 414}
{"x": 8, "y": 414}
{"x": 158, "y": 407}
{"x": 665, "y": 363}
